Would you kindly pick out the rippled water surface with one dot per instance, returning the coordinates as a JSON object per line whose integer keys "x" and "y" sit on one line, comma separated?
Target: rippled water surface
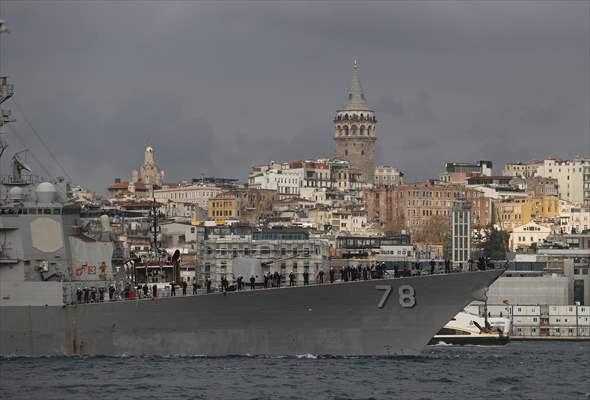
{"x": 520, "y": 370}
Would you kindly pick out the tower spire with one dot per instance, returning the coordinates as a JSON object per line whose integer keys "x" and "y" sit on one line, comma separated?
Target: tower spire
{"x": 355, "y": 96}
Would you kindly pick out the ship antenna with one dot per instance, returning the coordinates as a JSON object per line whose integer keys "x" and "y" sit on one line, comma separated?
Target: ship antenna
{"x": 6, "y": 92}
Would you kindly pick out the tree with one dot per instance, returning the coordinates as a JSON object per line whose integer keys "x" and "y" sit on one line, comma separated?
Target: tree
{"x": 494, "y": 243}
{"x": 433, "y": 231}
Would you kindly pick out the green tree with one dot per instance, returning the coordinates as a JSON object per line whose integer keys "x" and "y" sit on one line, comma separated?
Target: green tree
{"x": 495, "y": 243}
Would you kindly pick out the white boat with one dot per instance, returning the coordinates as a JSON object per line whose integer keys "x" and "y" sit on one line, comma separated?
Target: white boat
{"x": 470, "y": 329}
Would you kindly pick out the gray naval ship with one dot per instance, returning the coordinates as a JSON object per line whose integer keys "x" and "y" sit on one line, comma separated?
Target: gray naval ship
{"x": 45, "y": 256}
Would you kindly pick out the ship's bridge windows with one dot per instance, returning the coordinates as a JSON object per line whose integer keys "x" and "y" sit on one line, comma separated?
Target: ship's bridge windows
{"x": 57, "y": 211}
{"x": 32, "y": 211}
{"x": 47, "y": 211}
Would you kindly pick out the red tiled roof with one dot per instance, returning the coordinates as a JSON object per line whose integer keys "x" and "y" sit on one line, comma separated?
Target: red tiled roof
{"x": 119, "y": 185}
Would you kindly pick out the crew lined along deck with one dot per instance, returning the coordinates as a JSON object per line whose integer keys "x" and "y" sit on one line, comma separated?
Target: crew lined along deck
{"x": 270, "y": 281}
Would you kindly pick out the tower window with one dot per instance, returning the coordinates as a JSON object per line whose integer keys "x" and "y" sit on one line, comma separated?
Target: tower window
{"x": 362, "y": 152}
{"x": 345, "y": 152}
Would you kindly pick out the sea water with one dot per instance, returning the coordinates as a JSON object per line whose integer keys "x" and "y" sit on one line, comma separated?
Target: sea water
{"x": 519, "y": 370}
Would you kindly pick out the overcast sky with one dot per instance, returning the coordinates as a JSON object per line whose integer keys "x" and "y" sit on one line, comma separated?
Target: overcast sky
{"x": 218, "y": 87}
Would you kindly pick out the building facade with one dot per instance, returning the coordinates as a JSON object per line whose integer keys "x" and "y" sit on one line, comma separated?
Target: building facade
{"x": 355, "y": 130}
{"x": 386, "y": 176}
{"x": 279, "y": 250}
{"x": 460, "y": 233}
{"x": 148, "y": 173}
{"x": 193, "y": 194}
{"x": 413, "y": 206}
{"x": 573, "y": 176}
{"x": 524, "y": 236}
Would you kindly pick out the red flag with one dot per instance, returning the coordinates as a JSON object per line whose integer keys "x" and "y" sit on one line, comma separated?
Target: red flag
{"x": 79, "y": 271}
{"x": 505, "y": 301}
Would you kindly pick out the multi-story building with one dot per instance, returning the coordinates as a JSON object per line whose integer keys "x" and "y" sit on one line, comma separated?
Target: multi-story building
{"x": 523, "y": 170}
{"x": 510, "y": 213}
{"x": 224, "y": 206}
{"x": 412, "y": 206}
{"x": 285, "y": 181}
{"x": 524, "y": 236}
{"x": 575, "y": 219}
{"x": 349, "y": 221}
{"x": 279, "y": 250}
{"x": 573, "y": 176}
{"x": 537, "y": 185}
{"x": 459, "y": 172}
{"x": 386, "y": 176}
{"x": 355, "y": 130}
{"x": 244, "y": 204}
{"x": 190, "y": 194}
{"x": 460, "y": 232}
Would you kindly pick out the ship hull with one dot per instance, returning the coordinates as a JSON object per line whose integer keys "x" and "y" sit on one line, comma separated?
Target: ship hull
{"x": 343, "y": 319}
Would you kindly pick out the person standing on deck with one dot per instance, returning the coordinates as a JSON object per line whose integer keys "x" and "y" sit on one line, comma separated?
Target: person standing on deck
{"x": 305, "y": 278}
{"x": 332, "y": 274}
{"x": 252, "y": 282}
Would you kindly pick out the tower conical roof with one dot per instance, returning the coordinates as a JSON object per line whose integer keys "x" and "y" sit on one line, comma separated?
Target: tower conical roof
{"x": 356, "y": 97}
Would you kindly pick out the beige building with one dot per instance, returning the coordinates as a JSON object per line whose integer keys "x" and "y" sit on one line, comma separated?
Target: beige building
{"x": 148, "y": 173}
{"x": 524, "y": 236}
{"x": 349, "y": 221}
{"x": 387, "y": 176}
{"x": 190, "y": 194}
{"x": 573, "y": 176}
{"x": 245, "y": 204}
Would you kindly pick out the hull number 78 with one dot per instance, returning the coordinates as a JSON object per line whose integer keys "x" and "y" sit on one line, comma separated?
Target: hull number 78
{"x": 406, "y": 295}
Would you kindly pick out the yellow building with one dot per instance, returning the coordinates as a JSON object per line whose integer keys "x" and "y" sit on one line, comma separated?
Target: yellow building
{"x": 223, "y": 206}
{"x": 541, "y": 207}
{"x": 509, "y": 214}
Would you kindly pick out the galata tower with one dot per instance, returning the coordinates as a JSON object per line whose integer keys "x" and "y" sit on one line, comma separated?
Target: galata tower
{"x": 355, "y": 133}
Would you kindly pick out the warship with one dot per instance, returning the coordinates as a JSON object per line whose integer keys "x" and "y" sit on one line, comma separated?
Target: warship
{"x": 46, "y": 257}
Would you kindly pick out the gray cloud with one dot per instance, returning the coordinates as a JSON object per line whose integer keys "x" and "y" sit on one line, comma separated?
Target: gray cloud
{"x": 218, "y": 86}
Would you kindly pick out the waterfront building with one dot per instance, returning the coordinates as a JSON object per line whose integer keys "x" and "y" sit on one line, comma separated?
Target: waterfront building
{"x": 279, "y": 250}
{"x": 355, "y": 130}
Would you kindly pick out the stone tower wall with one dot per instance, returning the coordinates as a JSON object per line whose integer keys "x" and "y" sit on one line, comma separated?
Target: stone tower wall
{"x": 355, "y": 136}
